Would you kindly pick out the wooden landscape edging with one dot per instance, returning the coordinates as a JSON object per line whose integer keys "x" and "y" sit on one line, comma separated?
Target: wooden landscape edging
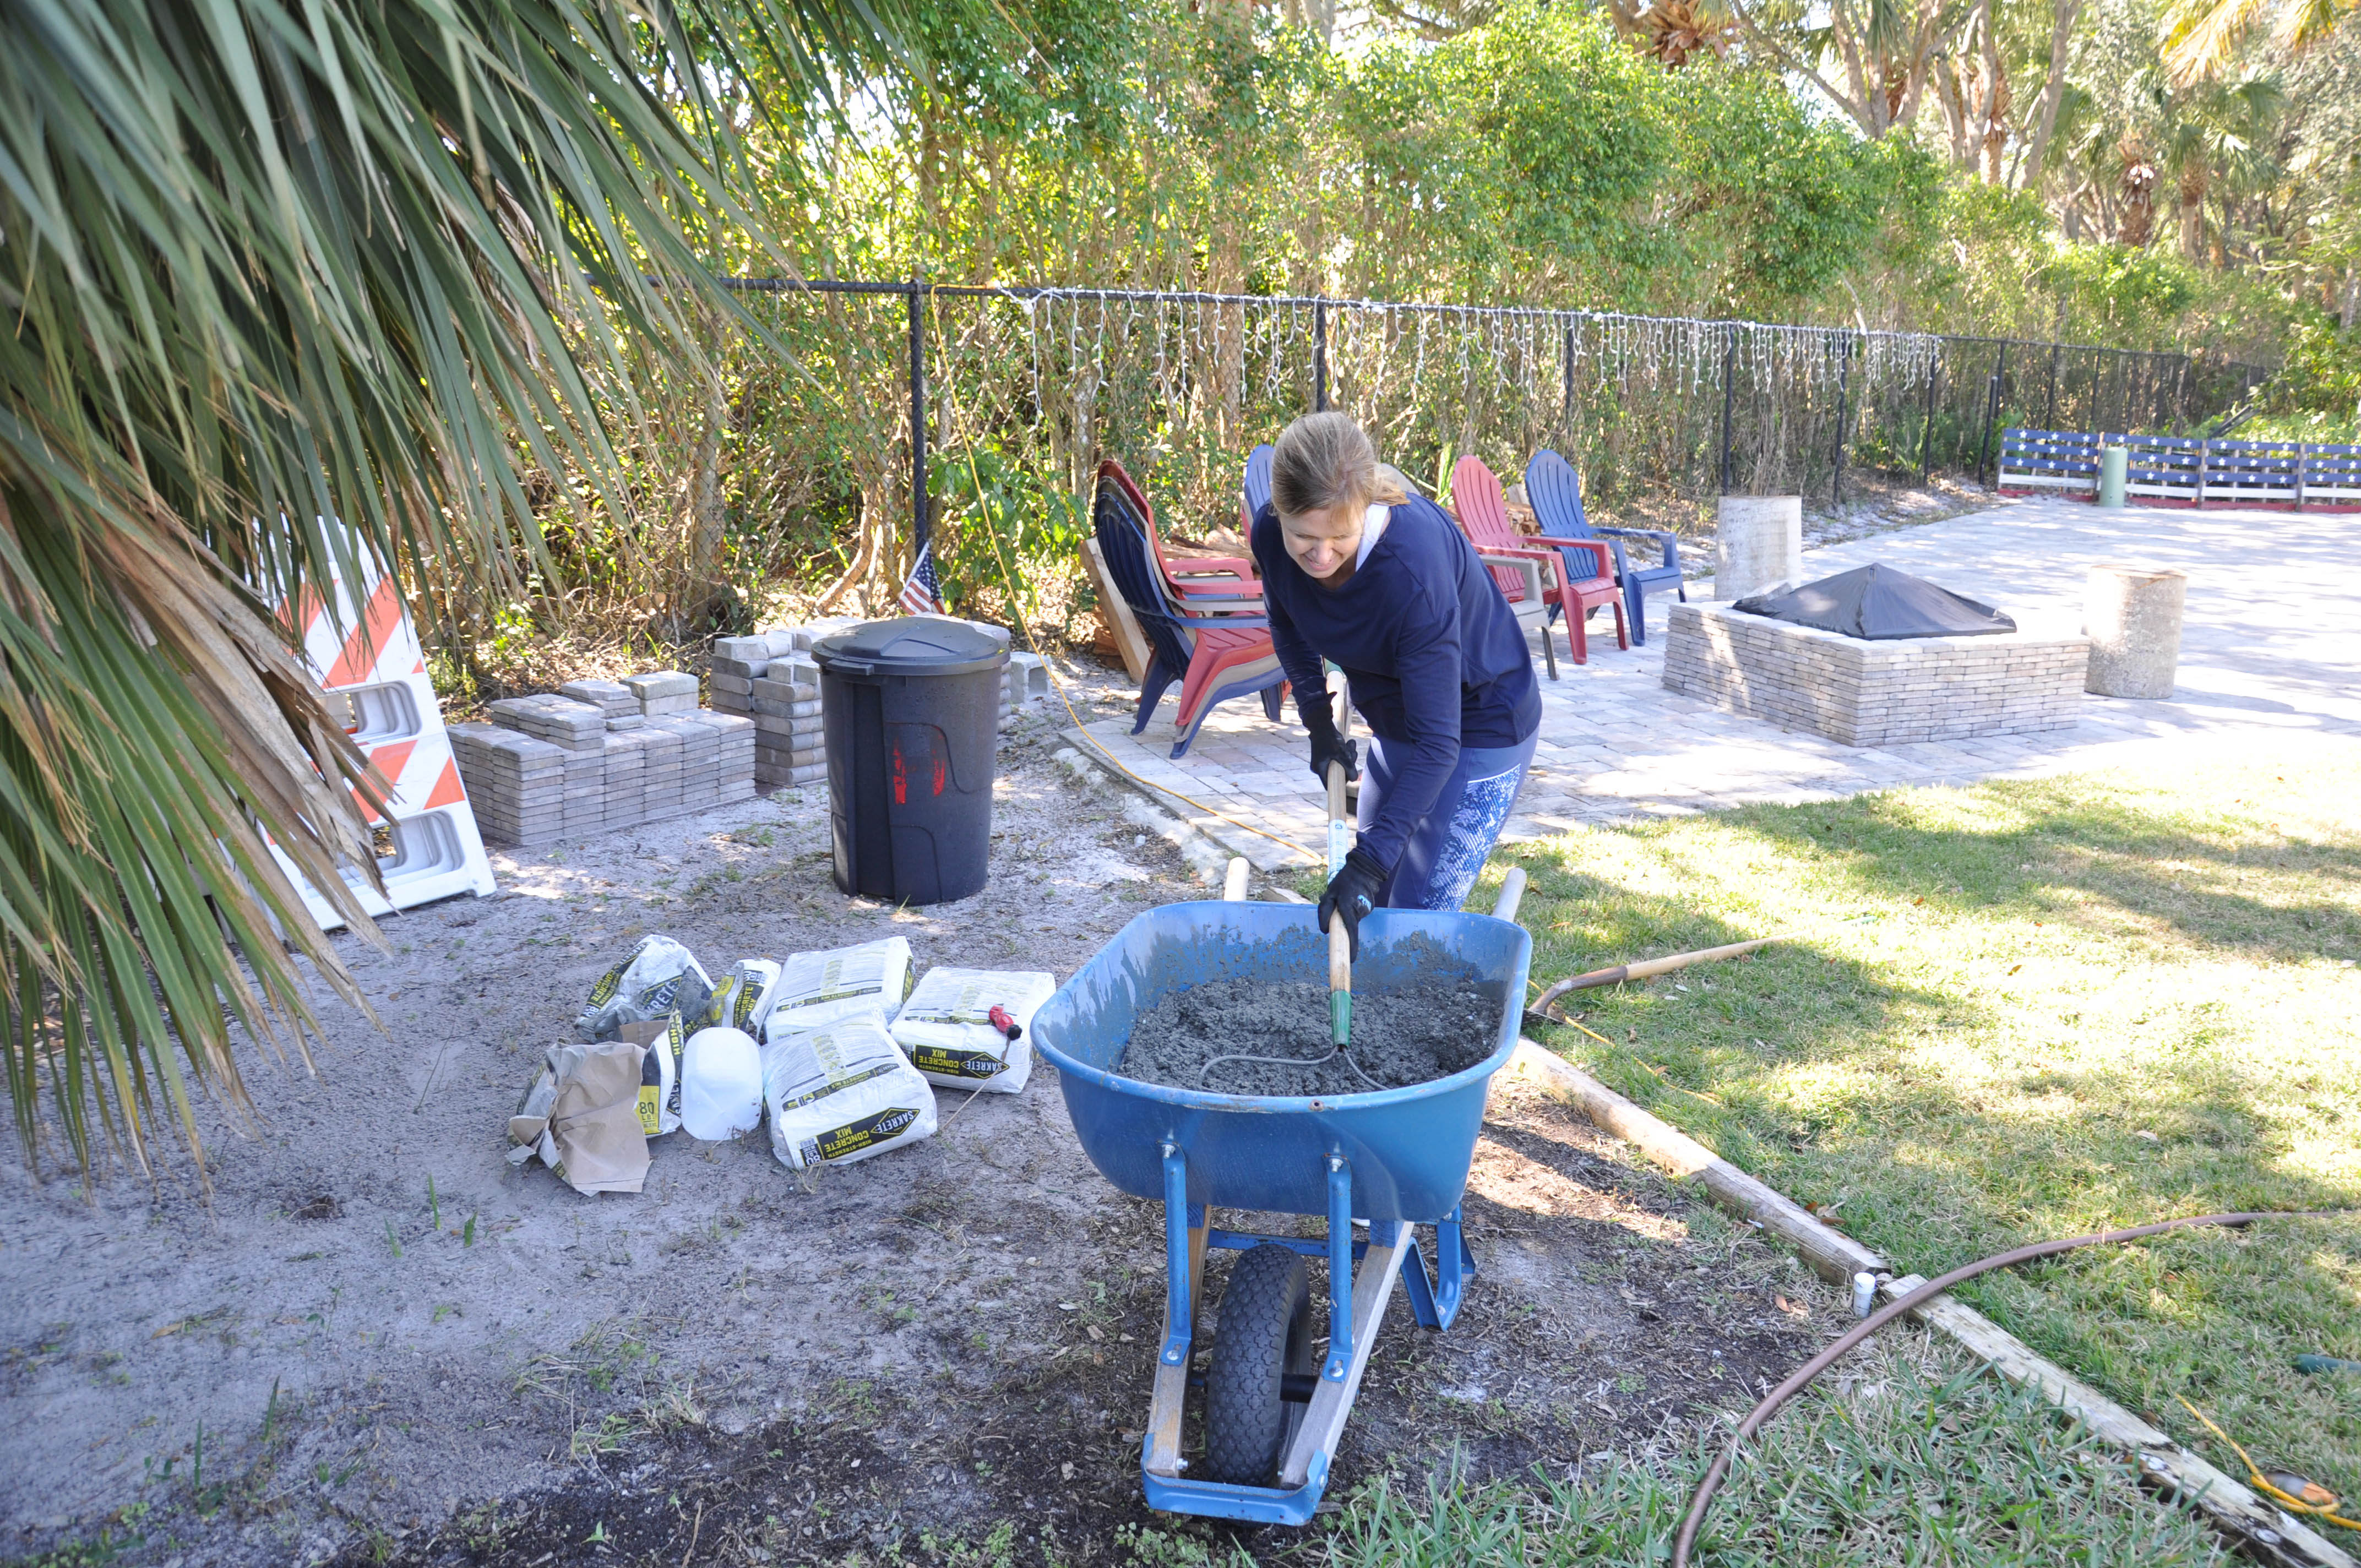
{"x": 2259, "y": 1529}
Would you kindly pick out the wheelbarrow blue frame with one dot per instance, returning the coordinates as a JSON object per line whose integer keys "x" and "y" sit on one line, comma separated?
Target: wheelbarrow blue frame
{"x": 1396, "y": 1158}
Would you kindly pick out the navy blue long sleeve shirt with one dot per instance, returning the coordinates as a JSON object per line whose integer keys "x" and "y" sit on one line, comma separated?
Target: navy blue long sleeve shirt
{"x": 1434, "y": 655}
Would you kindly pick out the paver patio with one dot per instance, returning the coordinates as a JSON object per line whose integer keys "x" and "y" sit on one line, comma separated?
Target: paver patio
{"x": 2270, "y": 648}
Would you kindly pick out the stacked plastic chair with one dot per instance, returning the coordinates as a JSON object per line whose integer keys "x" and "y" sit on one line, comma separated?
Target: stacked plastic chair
{"x": 1215, "y": 656}
{"x": 1205, "y": 583}
{"x": 1254, "y": 491}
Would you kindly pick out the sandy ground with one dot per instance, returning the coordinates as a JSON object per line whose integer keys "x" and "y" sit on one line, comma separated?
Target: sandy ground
{"x": 327, "y": 1359}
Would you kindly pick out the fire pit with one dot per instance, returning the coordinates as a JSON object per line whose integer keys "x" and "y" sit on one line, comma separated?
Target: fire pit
{"x": 1916, "y": 675}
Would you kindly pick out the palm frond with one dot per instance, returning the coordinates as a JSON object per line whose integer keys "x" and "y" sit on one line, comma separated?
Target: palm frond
{"x": 287, "y": 279}
{"x": 2200, "y": 37}
{"x": 2302, "y": 23}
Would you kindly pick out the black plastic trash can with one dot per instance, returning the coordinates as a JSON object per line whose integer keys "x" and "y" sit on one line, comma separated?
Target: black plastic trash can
{"x": 912, "y": 711}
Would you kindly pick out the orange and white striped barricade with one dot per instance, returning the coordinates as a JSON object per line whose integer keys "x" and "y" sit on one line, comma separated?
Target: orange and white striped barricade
{"x": 367, "y": 660}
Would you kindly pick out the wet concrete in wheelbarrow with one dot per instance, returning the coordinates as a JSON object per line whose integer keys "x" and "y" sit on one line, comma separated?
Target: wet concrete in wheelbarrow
{"x": 1613, "y": 1311}
{"x": 1245, "y": 1036}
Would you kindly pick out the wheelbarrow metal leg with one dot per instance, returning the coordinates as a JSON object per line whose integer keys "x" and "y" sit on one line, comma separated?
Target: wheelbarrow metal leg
{"x": 1341, "y": 1334}
{"x": 1184, "y": 1257}
{"x": 1434, "y": 1303}
{"x": 1315, "y": 1440}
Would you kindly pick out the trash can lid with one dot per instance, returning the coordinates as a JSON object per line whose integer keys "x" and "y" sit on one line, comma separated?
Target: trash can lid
{"x": 916, "y": 645}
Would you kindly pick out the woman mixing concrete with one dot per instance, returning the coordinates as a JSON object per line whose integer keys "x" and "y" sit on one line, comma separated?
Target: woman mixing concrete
{"x": 1359, "y": 570}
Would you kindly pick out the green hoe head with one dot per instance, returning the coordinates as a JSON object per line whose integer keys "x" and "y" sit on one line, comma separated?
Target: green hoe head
{"x": 1340, "y": 1016}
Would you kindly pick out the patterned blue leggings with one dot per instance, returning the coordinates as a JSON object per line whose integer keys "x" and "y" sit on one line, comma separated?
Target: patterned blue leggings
{"x": 1447, "y": 849}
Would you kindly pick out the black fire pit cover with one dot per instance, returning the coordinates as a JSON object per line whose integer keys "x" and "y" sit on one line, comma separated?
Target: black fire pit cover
{"x": 1878, "y": 603}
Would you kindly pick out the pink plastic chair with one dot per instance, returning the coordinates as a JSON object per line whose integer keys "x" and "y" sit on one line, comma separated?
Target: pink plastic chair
{"x": 1532, "y": 578}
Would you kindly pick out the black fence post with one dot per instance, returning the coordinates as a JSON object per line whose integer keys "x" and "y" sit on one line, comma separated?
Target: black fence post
{"x": 1319, "y": 355}
{"x": 920, "y": 527}
{"x": 1926, "y": 431}
{"x": 2049, "y": 412}
{"x": 1844, "y": 390}
{"x": 1728, "y": 395}
{"x": 1569, "y": 386}
{"x": 1991, "y": 413}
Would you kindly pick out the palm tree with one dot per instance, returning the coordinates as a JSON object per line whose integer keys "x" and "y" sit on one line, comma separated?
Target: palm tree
{"x": 2203, "y": 36}
{"x": 267, "y": 263}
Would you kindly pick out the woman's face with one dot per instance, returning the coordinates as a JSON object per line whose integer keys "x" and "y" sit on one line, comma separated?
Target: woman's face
{"x": 1322, "y": 542}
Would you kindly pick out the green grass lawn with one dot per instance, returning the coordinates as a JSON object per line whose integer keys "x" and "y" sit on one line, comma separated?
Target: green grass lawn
{"x": 1917, "y": 1458}
{"x": 2024, "y": 1010}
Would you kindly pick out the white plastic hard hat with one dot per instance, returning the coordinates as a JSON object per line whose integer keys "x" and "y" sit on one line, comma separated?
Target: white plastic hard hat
{"x": 720, "y": 1084}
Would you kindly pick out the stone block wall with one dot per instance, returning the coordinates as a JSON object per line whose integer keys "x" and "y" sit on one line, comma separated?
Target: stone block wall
{"x": 1874, "y": 693}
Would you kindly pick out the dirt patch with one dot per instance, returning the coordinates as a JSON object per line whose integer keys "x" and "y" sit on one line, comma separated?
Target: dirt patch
{"x": 1608, "y": 1314}
{"x": 1256, "y": 1038}
{"x": 378, "y": 1341}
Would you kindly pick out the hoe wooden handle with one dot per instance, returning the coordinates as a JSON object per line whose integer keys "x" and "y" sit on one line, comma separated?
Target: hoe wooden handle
{"x": 1340, "y": 944}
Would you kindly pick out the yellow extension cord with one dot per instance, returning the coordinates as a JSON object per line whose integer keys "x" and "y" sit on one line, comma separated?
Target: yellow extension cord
{"x": 2326, "y": 1511}
{"x": 1008, "y": 581}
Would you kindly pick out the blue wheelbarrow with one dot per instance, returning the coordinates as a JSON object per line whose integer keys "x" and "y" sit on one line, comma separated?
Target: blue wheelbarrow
{"x": 1396, "y": 1158}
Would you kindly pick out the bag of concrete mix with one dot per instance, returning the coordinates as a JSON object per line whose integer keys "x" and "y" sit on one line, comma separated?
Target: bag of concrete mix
{"x": 743, "y": 999}
{"x": 947, "y": 1025}
{"x": 582, "y": 1117}
{"x": 842, "y": 982}
{"x": 659, "y": 1100}
{"x": 842, "y": 1092}
{"x": 660, "y": 977}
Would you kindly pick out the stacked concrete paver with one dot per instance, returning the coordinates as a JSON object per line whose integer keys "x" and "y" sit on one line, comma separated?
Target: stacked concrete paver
{"x": 770, "y": 680}
{"x": 612, "y": 697}
{"x": 516, "y": 785}
{"x": 600, "y": 755}
{"x": 592, "y": 759}
{"x": 665, "y": 692}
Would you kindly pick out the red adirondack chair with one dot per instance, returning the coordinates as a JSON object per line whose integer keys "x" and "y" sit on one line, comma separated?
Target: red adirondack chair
{"x": 1532, "y": 578}
{"x": 1207, "y": 584}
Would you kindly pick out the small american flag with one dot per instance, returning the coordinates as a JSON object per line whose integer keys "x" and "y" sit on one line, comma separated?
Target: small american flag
{"x": 922, "y": 595}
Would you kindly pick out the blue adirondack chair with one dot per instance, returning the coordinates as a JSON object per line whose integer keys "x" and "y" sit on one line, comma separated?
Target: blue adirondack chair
{"x": 1255, "y": 493}
{"x": 1554, "y": 493}
{"x": 1214, "y": 657}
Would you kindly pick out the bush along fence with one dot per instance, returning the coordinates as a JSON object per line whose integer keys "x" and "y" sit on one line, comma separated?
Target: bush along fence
{"x": 993, "y": 404}
{"x": 2190, "y": 470}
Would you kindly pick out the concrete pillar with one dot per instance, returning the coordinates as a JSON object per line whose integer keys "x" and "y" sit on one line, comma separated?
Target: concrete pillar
{"x": 1757, "y": 545}
{"x": 2131, "y": 615}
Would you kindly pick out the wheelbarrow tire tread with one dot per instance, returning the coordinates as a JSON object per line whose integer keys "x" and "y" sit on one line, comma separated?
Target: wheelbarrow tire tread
{"x": 1264, "y": 1333}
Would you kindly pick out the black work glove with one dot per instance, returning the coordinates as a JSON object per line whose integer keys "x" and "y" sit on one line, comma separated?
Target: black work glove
{"x": 1327, "y": 745}
{"x": 1352, "y": 894}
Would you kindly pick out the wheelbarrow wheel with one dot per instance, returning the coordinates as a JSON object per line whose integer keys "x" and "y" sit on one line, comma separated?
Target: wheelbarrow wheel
{"x": 1263, "y": 1337}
